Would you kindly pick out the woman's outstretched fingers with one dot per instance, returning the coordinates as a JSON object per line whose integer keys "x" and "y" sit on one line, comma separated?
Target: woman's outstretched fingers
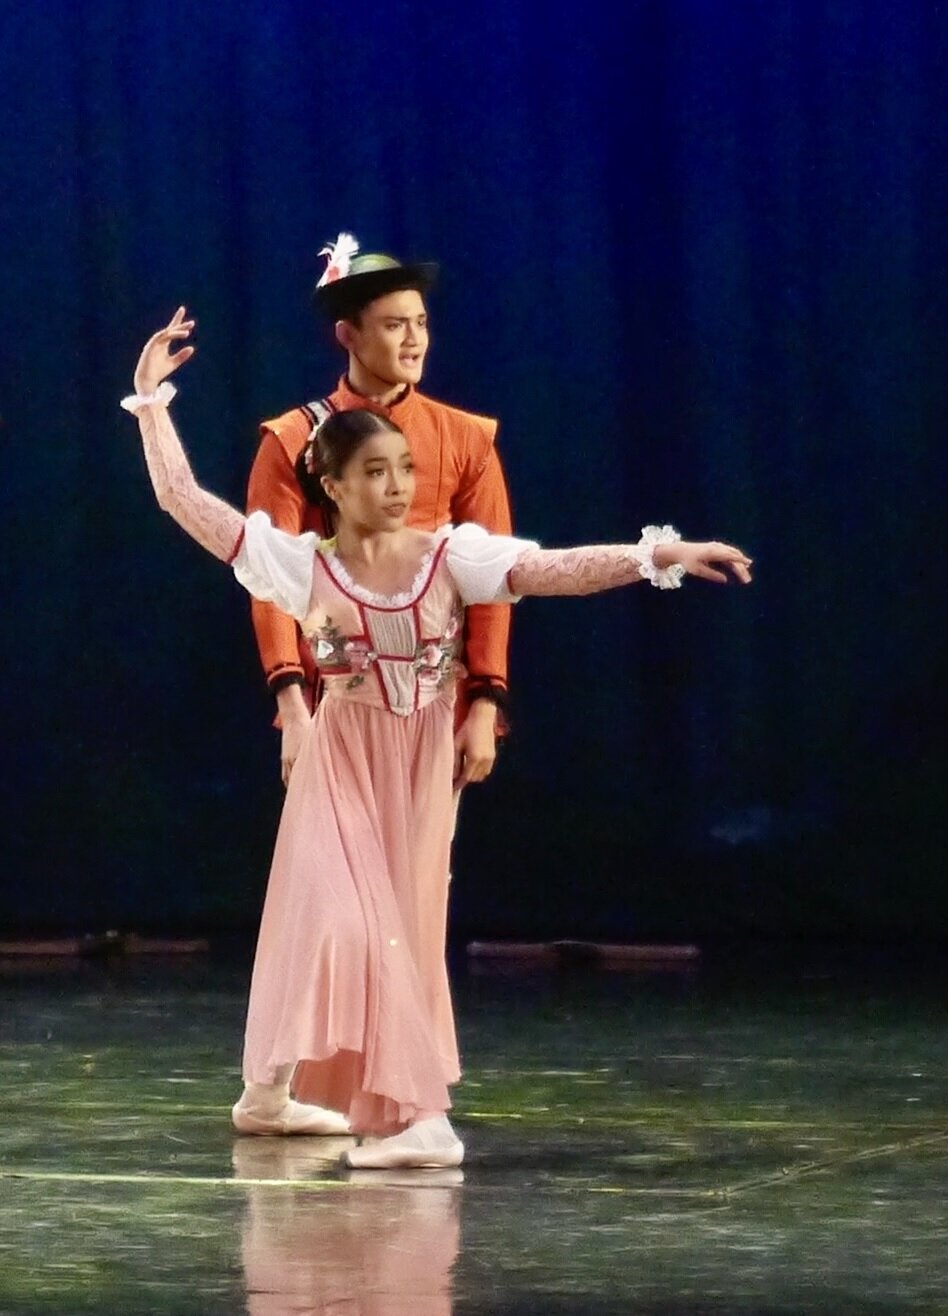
{"x": 714, "y": 561}
{"x": 179, "y": 358}
{"x": 733, "y": 558}
{"x": 706, "y": 572}
{"x": 157, "y": 360}
{"x": 741, "y": 564}
{"x": 178, "y": 318}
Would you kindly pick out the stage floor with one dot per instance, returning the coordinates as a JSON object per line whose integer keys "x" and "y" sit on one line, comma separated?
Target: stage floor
{"x": 757, "y": 1137}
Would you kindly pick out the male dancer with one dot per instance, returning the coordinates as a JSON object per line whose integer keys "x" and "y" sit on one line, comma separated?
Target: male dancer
{"x": 377, "y": 305}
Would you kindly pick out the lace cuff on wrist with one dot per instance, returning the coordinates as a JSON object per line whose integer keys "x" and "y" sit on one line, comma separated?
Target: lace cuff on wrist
{"x": 162, "y": 396}
{"x": 661, "y": 577}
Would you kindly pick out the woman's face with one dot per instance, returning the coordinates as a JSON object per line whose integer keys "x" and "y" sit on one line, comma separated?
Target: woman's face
{"x": 377, "y": 484}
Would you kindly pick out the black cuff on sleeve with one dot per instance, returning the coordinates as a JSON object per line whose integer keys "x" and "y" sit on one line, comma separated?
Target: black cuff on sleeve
{"x": 284, "y": 679}
{"x": 482, "y": 687}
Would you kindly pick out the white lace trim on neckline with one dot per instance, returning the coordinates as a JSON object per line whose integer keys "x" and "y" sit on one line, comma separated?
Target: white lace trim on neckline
{"x": 403, "y": 600}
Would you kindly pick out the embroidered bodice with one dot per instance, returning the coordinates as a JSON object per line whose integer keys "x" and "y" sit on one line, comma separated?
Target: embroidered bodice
{"x": 397, "y": 653}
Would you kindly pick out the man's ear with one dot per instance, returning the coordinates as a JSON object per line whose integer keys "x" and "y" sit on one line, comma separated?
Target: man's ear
{"x": 344, "y": 334}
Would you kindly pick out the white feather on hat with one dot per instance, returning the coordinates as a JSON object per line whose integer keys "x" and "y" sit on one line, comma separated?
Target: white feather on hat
{"x": 340, "y": 253}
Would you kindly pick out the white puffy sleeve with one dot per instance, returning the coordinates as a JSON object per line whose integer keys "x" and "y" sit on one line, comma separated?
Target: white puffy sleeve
{"x": 275, "y": 566}
{"x": 479, "y": 562}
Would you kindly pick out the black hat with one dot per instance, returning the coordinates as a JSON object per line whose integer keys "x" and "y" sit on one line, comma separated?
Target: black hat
{"x": 350, "y": 281}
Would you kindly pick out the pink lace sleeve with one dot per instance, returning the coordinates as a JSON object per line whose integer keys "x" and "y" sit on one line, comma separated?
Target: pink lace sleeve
{"x": 215, "y": 525}
{"x": 575, "y": 570}
{"x": 594, "y": 568}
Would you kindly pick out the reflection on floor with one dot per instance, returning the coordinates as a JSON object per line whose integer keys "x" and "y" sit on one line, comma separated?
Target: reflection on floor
{"x": 699, "y": 1141}
{"x": 392, "y": 1241}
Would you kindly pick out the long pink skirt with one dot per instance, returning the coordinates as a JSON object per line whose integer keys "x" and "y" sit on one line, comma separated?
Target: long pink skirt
{"x": 349, "y": 981}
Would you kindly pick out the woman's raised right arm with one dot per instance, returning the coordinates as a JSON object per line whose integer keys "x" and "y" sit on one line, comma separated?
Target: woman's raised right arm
{"x": 215, "y": 525}
{"x": 270, "y": 564}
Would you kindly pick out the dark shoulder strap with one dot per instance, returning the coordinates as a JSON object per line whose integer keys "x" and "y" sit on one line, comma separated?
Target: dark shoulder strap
{"x": 317, "y": 412}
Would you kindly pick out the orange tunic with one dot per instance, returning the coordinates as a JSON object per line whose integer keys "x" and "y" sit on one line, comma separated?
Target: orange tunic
{"x": 458, "y": 478}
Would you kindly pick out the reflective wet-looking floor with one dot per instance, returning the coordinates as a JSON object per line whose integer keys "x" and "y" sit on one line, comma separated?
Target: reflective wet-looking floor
{"x": 770, "y": 1140}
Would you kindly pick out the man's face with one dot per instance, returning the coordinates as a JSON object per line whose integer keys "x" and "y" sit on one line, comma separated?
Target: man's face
{"x": 391, "y": 340}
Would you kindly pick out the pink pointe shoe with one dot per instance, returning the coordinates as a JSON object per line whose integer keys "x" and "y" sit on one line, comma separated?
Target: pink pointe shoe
{"x": 293, "y": 1118}
{"x": 430, "y": 1144}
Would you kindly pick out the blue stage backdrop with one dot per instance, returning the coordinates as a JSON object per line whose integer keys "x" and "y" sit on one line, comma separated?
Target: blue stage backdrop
{"x": 694, "y": 259}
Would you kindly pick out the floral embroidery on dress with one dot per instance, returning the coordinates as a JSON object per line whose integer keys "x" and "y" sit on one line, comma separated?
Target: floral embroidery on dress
{"x": 361, "y": 657}
{"x": 436, "y": 660}
{"x": 337, "y": 655}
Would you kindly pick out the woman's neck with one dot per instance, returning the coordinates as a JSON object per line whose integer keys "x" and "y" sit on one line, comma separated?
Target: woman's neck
{"x": 385, "y": 562}
{"x": 359, "y": 545}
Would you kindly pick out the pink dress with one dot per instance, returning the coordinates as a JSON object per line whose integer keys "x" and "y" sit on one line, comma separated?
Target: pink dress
{"x": 349, "y": 980}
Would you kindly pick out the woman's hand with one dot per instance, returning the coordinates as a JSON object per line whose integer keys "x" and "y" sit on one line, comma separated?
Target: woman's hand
{"x": 295, "y": 720}
{"x": 697, "y": 560}
{"x": 157, "y": 361}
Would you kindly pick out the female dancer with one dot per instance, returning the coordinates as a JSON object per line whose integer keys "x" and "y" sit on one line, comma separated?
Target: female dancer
{"x": 349, "y": 985}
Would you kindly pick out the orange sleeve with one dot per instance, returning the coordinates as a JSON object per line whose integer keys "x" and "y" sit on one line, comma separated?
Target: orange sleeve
{"x": 274, "y": 489}
{"x": 482, "y": 497}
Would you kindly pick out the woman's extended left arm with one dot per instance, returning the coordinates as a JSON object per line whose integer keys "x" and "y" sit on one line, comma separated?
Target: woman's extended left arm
{"x": 660, "y": 557}
{"x": 500, "y": 569}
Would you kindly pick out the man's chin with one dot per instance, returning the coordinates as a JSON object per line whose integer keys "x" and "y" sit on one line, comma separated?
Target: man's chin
{"x": 408, "y": 374}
